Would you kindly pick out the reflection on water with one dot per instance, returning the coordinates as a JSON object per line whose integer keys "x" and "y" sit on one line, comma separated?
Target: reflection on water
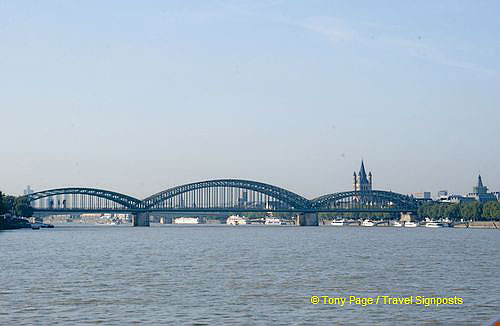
{"x": 221, "y": 274}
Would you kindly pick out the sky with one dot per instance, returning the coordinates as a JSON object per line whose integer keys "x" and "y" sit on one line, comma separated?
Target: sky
{"x": 141, "y": 96}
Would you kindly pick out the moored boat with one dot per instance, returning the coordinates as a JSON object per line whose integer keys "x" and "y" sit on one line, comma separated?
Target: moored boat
{"x": 432, "y": 224}
{"x": 272, "y": 221}
{"x": 396, "y": 224}
{"x": 410, "y": 225}
{"x": 235, "y": 220}
{"x": 186, "y": 220}
{"x": 337, "y": 222}
{"x": 367, "y": 223}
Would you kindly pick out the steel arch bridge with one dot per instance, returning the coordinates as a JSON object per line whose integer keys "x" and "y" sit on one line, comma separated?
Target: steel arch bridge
{"x": 365, "y": 201}
{"x": 227, "y": 194}
{"x": 82, "y": 199}
{"x": 223, "y": 195}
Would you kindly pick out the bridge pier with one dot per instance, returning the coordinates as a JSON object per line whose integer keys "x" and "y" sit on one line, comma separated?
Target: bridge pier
{"x": 140, "y": 218}
{"x": 308, "y": 219}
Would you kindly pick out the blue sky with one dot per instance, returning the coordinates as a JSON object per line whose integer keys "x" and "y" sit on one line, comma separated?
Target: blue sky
{"x": 138, "y": 96}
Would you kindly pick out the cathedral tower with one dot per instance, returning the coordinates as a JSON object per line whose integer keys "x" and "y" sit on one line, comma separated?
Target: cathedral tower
{"x": 362, "y": 182}
{"x": 479, "y": 188}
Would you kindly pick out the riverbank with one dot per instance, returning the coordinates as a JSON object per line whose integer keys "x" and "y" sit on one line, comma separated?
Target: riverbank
{"x": 13, "y": 223}
{"x": 472, "y": 225}
{"x": 480, "y": 225}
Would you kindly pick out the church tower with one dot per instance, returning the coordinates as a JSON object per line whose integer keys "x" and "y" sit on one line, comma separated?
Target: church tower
{"x": 479, "y": 188}
{"x": 480, "y": 192}
{"x": 362, "y": 182}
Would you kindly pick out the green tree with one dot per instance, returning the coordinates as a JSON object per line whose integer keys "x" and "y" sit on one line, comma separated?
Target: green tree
{"x": 435, "y": 211}
{"x": 22, "y": 207}
{"x": 8, "y": 204}
{"x": 491, "y": 210}
{"x": 425, "y": 210}
{"x": 452, "y": 211}
{"x": 471, "y": 211}
{"x": 438, "y": 211}
{"x": 1, "y": 203}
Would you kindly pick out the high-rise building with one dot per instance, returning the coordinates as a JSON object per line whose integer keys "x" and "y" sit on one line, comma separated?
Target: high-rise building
{"x": 28, "y": 190}
{"x": 421, "y": 195}
{"x": 362, "y": 182}
{"x": 442, "y": 193}
{"x": 455, "y": 199}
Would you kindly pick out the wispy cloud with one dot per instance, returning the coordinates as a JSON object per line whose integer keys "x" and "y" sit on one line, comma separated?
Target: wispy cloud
{"x": 377, "y": 36}
{"x": 387, "y": 38}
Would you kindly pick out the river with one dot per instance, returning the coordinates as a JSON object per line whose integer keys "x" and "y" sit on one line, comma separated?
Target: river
{"x": 214, "y": 274}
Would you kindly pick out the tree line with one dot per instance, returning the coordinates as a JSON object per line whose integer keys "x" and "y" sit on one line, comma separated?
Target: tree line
{"x": 18, "y": 206}
{"x": 471, "y": 211}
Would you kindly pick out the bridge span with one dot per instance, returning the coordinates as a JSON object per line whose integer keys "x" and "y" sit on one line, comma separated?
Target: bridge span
{"x": 223, "y": 196}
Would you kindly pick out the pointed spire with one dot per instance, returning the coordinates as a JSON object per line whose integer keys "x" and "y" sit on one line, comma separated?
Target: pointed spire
{"x": 479, "y": 182}
{"x": 362, "y": 172}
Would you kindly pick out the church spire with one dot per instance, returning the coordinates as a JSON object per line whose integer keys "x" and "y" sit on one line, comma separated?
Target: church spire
{"x": 480, "y": 188}
{"x": 362, "y": 173}
{"x": 362, "y": 182}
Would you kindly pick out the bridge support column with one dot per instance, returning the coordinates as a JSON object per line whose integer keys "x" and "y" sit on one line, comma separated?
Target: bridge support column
{"x": 140, "y": 219}
{"x": 308, "y": 219}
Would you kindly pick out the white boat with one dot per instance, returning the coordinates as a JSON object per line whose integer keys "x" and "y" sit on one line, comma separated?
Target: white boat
{"x": 236, "y": 220}
{"x": 367, "y": 223}
{"x": 337, "y": 222}
{"x": 272, "y": 221}
{"x": 410, "y": 225}
{"x": 432, "y": 225}
{"x": 397, "y": 224}
{"x": 186, "y": 220}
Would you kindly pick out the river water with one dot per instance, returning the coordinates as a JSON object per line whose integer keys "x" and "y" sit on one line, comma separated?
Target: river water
{"x": 208, "y": 275}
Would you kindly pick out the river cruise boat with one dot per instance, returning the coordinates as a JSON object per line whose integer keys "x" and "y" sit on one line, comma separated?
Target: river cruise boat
{"x": 186, "y": 220}
{"x": 337, "y": 222}
{"x": 432, "y": 224}
{"x": 272, "y": 221}
{"x": 236, "y": 220}
{"x": 367, "y": 223}
{"x": 410, "y": 225}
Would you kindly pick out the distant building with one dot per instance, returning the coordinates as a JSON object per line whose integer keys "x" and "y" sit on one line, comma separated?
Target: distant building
{"x": 455, "y": 199}
{"x": 28, "y": 190}
{"x": 442, "y": 193}
{"x": 362, "y": 182}
{"x": 480, "y": 192}
{"x": 421, "y": 195}
{"x": 186, "y": 220}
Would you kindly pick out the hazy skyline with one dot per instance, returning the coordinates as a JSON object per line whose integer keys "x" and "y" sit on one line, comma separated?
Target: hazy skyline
{"x": 137, "y": 97}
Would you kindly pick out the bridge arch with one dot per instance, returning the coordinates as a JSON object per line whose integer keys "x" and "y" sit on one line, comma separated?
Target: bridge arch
{"x": 227, "y": 193}
{"x": 82, "y": 198}
{"x": 365, "y": 200}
